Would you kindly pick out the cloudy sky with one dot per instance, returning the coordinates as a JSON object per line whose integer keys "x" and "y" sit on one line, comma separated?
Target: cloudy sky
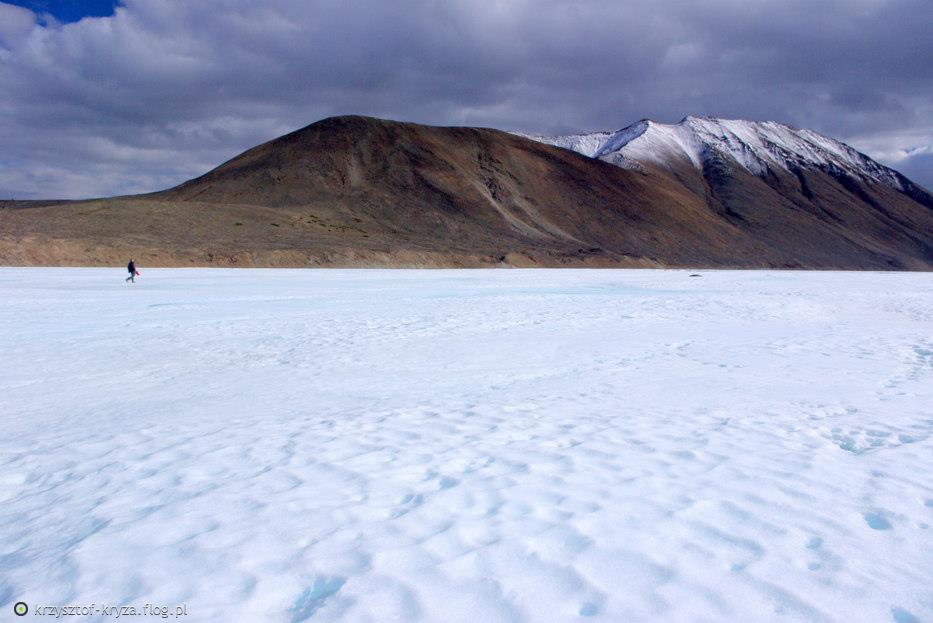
{"x": 100, "y": 97}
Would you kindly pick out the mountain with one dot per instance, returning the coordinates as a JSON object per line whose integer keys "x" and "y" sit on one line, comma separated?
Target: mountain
{"x": 367, "y": 192}
{"x": 756, "y": 174}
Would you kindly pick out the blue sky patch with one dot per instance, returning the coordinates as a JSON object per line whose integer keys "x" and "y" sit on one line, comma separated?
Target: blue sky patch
{"x": 69, "y": 10}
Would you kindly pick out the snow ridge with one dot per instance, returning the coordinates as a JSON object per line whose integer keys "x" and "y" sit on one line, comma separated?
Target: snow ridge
{"x": 756, "y": 146}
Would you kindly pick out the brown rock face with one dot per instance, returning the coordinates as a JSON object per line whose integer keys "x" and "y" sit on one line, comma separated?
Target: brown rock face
{"x": 356, "y": 191}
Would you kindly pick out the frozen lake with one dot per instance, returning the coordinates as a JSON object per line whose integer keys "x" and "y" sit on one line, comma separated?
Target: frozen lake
{"x": 475, "y": 446}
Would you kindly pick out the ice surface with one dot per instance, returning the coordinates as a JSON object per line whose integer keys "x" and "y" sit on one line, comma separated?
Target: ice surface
{"x": 303, "y": 445}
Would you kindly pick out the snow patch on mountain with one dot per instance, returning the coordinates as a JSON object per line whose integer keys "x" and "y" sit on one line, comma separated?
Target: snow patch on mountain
{"x": 757, "y": 146}
{"x": 587, "y": 144}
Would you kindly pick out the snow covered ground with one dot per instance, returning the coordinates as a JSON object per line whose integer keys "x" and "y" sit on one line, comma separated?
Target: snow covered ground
{"x": 476, "y": 446}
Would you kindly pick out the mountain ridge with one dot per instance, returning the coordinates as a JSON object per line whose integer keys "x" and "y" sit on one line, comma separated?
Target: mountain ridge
{"x": 811, "y": 147}
{"x": 360, "y": 191}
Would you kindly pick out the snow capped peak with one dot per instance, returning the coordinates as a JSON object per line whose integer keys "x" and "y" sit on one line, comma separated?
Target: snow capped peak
{"x": 757, "y": 146}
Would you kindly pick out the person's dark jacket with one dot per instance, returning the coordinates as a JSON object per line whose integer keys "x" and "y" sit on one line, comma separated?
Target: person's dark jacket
{"x": 131, "y": 267}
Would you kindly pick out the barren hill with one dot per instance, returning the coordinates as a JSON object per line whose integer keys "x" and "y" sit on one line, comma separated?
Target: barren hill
{"x": 366, "y": 192}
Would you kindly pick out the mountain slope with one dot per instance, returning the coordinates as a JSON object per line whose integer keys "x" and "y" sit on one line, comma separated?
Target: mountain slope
{"x": 362, "y": 191}
{"x": 761, "y": 174}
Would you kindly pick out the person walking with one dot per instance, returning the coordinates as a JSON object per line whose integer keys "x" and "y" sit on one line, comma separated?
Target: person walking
{"x": 131, "y": 268}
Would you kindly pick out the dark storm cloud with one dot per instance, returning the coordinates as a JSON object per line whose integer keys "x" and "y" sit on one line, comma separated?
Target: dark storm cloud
{"x": 164, "y": 90}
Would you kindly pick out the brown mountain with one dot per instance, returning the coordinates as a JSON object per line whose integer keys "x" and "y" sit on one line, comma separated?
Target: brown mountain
{"x": 358, "y": 191}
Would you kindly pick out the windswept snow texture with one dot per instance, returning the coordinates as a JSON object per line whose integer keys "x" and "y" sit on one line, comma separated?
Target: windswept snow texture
{"x": 300, "y": 445}
{"x": 754, "y": 145}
